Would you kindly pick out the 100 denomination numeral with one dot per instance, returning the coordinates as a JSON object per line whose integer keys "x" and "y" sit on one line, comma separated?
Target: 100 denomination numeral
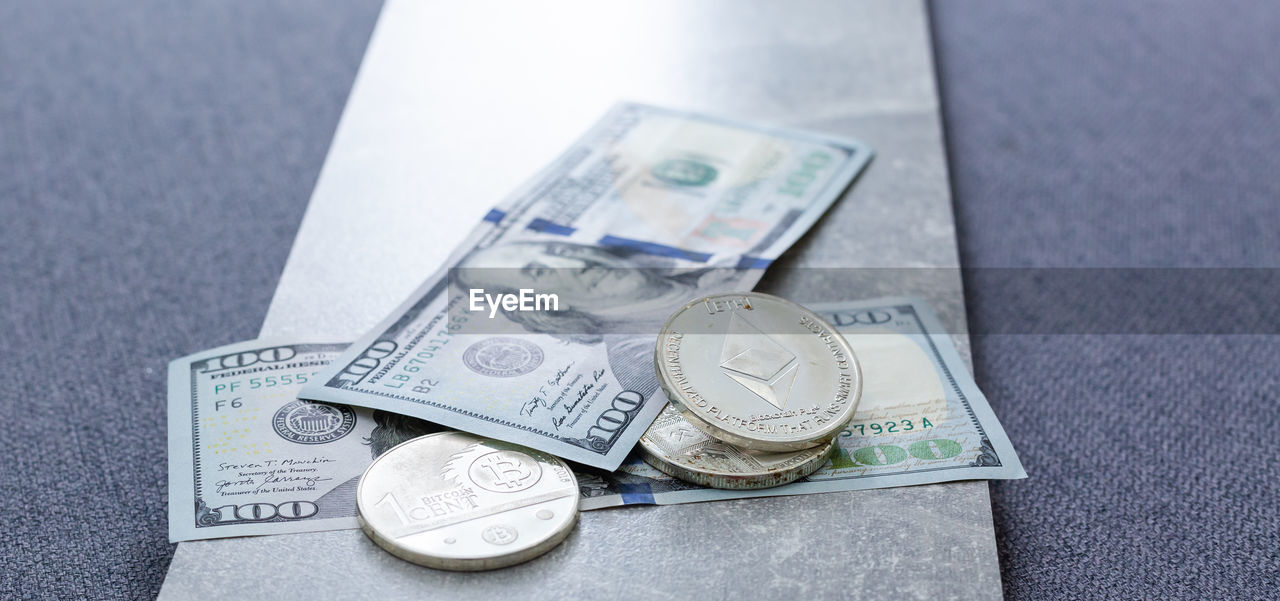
{"x": 798, "y": 181}
{"x": 934, "y": 449}
{"x": 620, "y": 412}
{"x": 261, "y": 512}
{"x": 369, "y": 360}
{"x": 247, "y": 358}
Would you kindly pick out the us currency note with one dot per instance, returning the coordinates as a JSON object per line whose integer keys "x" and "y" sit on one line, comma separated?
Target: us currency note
{"x": 246, "y": 457}
{"x": 648, "y": 209}
{"x": 921, "y": 420}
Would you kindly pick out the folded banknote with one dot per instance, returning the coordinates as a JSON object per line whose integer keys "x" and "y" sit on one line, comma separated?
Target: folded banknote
{"x": 539, "y": 328}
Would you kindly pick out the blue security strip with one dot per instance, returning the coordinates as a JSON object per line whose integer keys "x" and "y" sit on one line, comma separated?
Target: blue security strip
{"x": 635, "y": 494}
{"x": 542, "y": 225}
{"x": 747, "y": 262}
{"x": 660, "y": 250}
{"x": 494, "y": 216}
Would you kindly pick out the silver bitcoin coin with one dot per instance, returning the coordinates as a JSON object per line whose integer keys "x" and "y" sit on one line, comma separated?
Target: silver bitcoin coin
{"x": 758, "y": 372}
{"x": 460, "y": 502}
{"x": 677, "y": 448}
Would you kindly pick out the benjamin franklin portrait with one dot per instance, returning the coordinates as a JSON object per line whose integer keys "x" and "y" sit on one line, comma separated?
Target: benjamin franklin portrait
{"x": 613, "y": 295}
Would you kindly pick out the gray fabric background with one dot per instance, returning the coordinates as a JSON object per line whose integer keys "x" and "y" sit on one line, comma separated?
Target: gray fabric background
{"x": 1123, "y": 134}
{"x": 155, "y": 161}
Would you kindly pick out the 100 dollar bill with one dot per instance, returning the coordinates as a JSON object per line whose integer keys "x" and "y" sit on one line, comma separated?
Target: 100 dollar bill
{"x": 247, "y": 457}
{"x": 921, "y": 419}
{"x": 648, "y": 209}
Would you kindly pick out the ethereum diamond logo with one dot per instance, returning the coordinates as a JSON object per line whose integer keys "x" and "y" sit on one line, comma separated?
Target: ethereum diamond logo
{"x": 758, "y": 363}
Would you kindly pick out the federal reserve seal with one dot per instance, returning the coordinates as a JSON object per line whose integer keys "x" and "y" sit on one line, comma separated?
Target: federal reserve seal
{"x": 309, "y": 422}
{"x": 684, "y": 172}
{"x": 502, "y": 357}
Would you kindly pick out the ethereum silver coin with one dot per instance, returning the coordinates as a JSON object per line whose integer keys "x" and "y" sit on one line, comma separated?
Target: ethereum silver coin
{"x": 677, "y": 448}
{"x": 758, "y": 372}
{"x": 460, "y": 502}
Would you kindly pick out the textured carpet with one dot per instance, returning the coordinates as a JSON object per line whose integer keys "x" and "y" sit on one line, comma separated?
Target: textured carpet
{"x": 156, "y": 159}
{"x": 1123, "y": 134}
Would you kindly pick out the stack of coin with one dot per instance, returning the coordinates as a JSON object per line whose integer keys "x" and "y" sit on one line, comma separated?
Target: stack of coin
{"x": 759, "y": 389}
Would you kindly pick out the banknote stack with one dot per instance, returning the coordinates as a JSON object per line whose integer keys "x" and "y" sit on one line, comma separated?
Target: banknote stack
{"x": 529, "y": 377}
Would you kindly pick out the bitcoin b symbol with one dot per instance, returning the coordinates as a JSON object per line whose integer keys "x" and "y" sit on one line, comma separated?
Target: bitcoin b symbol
{"x": 504, "y": 471}
{"x": 500, "y": 534}
{"x": 507, "y": 474}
